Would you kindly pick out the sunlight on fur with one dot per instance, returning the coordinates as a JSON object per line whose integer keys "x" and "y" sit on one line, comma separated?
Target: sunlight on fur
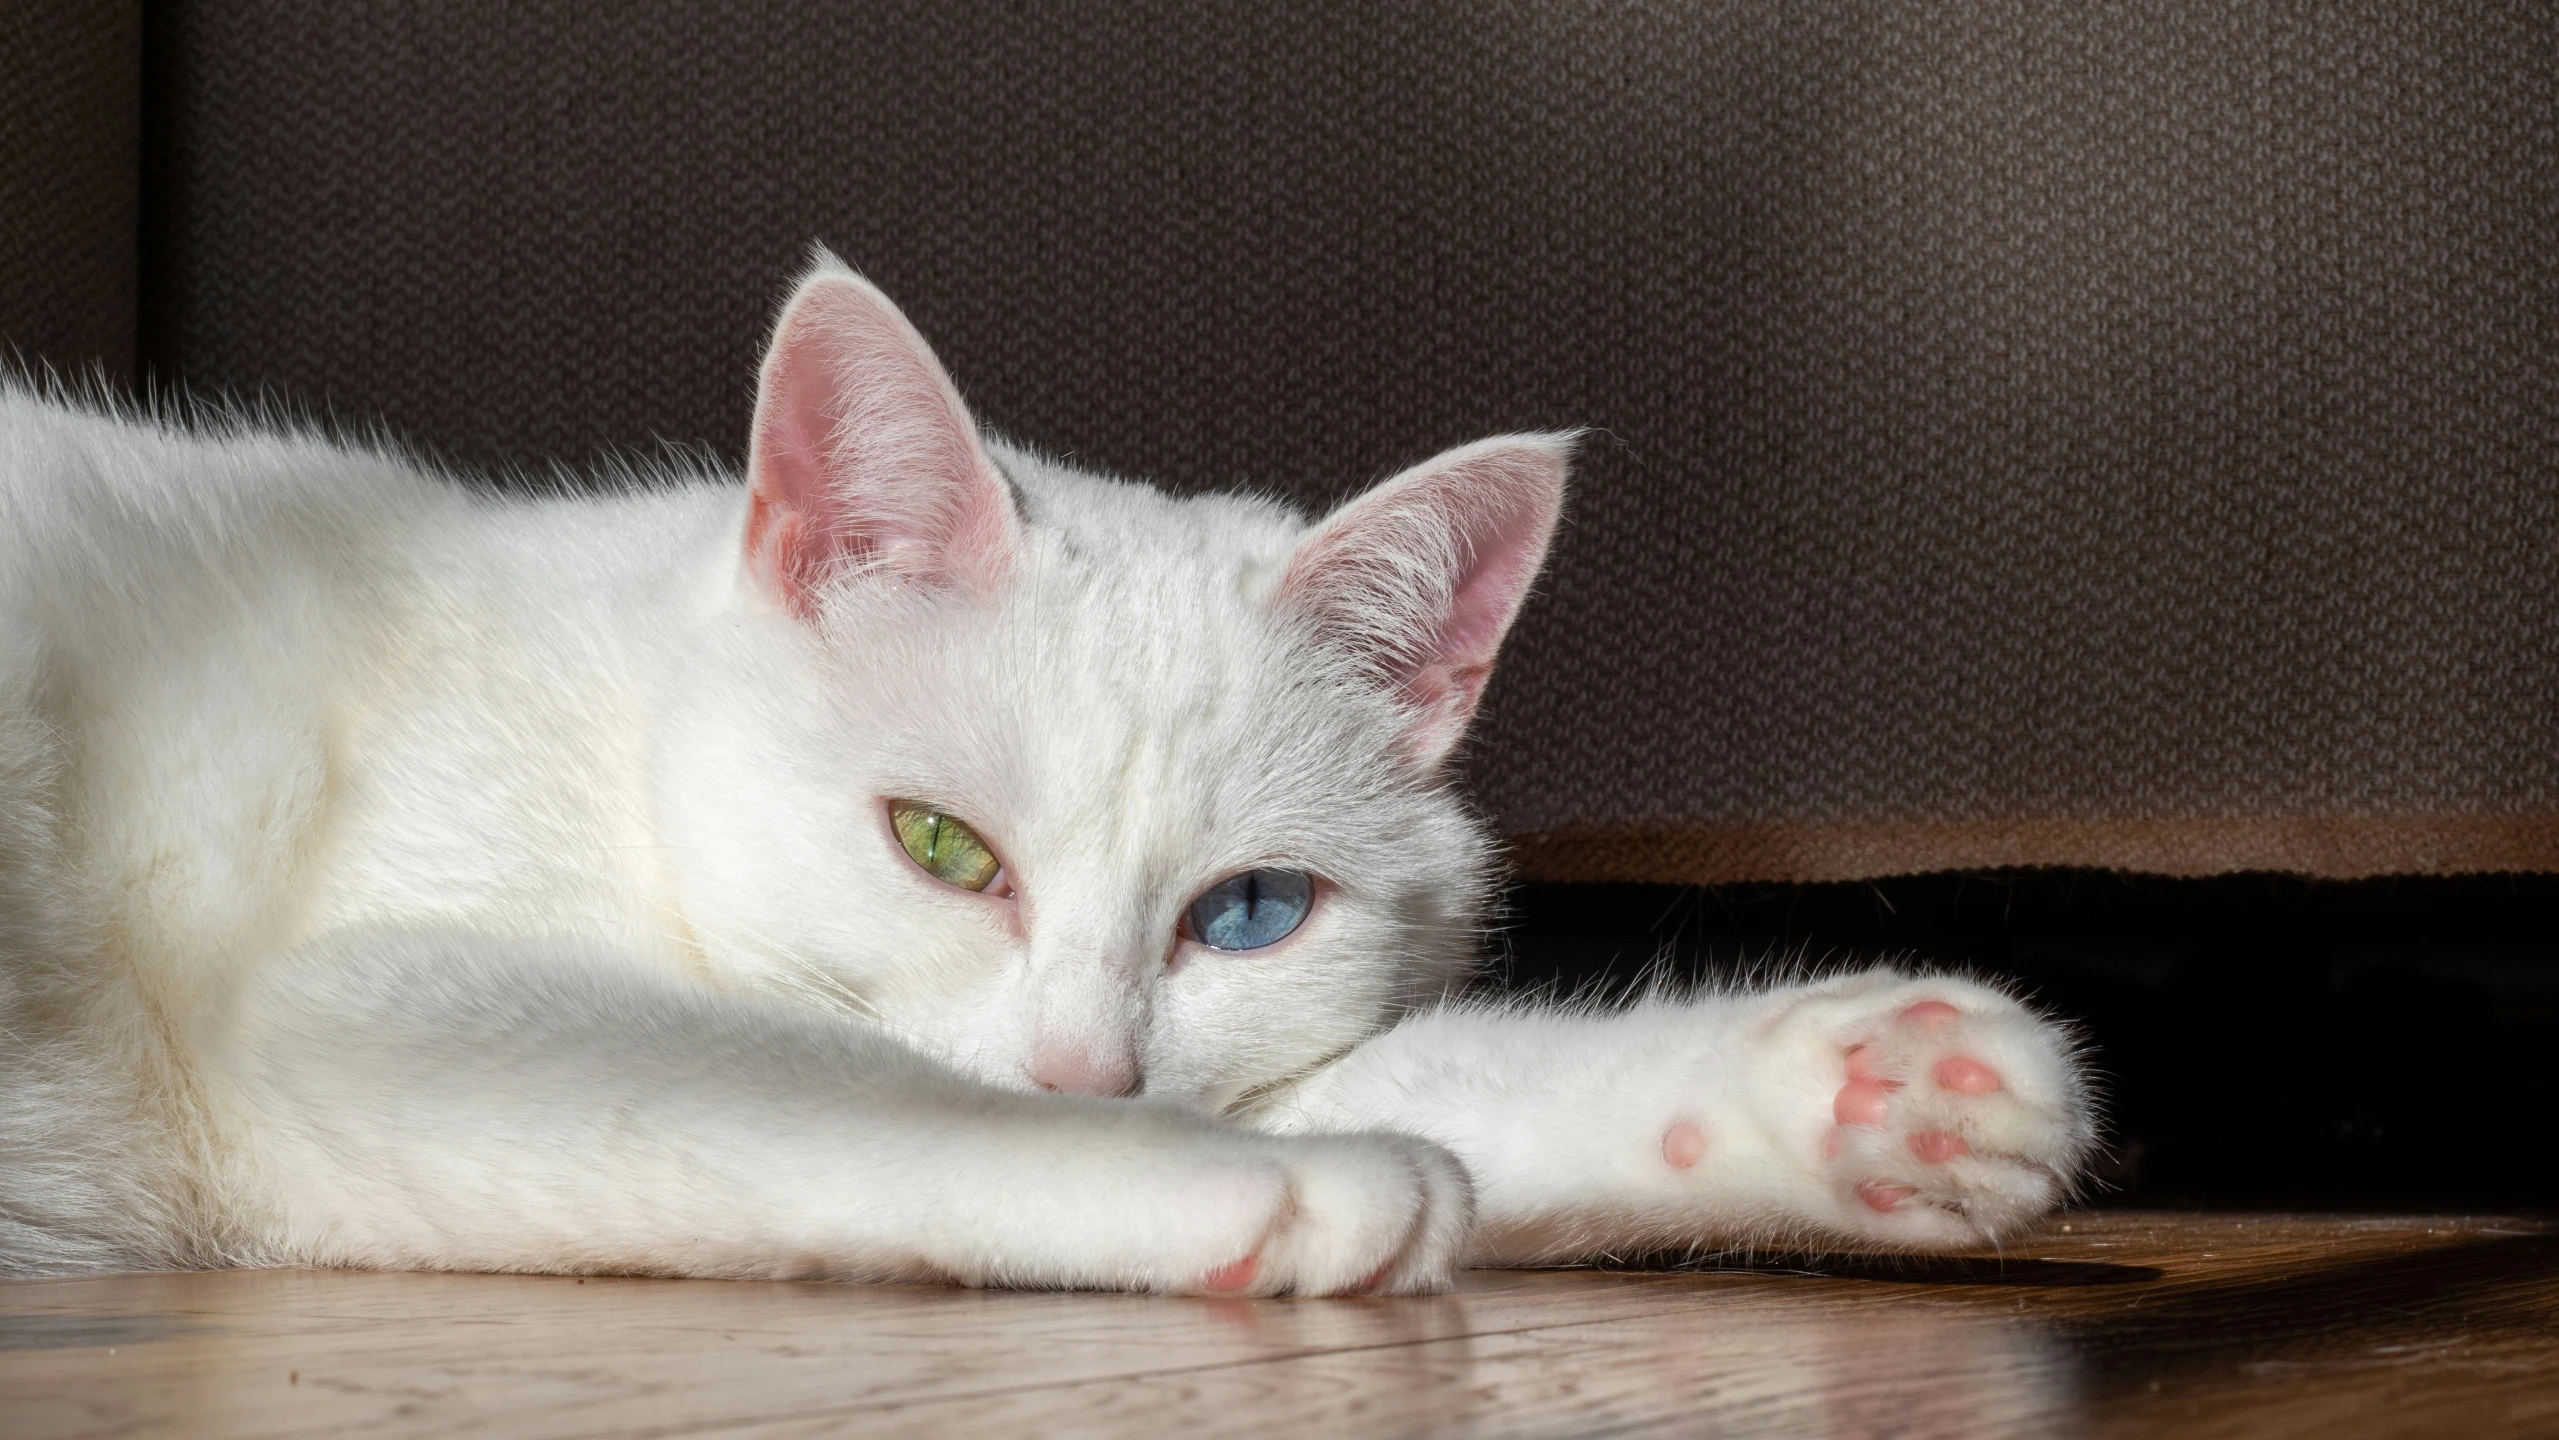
{"x": 396, "y": 876}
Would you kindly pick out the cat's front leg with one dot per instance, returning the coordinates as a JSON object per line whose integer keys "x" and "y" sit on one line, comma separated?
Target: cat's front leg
{"x": 451, "y": 1101}
{"x": 1876, "y": 1109}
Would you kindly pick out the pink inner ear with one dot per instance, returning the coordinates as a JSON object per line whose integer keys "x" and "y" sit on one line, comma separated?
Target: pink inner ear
{"x": 793, "y": 431}
{"x": 1427, "y": 572}
{"x": 864, "y": 456}
{"x": 1507, "y": 546}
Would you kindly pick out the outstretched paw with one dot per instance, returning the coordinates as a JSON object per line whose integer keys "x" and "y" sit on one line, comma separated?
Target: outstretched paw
{"x": 1955, "y": 1114}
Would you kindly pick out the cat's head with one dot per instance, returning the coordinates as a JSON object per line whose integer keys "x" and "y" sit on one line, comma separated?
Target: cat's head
{"x": 1073, "y": 783}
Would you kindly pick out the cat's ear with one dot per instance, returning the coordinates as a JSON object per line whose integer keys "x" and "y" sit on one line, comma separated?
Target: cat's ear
{"x": 863, "y": 459}
{"x": 1420, "y": 578}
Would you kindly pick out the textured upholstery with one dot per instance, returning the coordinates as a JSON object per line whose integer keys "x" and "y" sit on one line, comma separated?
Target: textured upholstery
{"x": 2101, "y": 435}
{"x": 70, "y": 140}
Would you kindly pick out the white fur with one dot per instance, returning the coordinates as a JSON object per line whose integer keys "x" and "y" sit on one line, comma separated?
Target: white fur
{"x": 1560, "y": 1115}
{"x": 393, "y": 875}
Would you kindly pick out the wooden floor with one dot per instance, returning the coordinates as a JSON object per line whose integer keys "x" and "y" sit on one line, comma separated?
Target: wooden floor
{"x": 2109, "y": 1324}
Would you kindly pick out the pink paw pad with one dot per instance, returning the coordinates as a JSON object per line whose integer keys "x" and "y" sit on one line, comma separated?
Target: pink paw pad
{"x": 1229, "y": 1278}
{"x": 1865, "y": 1099}
{"x": 1861, "y": 1064}
{"x": 1882, "y": 1197}
{"x": 1930, "y": 1014}
{"x": 1862, "y": 1102}
{"x": 1683, "y": 1145}
{"x": 1966, "y": 1076}
{"x": 1937, "y": 1146}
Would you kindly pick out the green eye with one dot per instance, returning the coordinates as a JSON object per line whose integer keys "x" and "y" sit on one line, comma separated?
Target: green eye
{"x": 948, "y": 850}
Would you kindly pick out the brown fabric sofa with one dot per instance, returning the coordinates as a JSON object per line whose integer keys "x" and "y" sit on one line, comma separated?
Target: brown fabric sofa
{"x": 2019, "y": 435}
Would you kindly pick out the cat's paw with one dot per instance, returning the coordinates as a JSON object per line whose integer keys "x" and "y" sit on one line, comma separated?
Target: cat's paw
{"x": 1926, "y": 1112}
{"x": 1355, "y": 1215}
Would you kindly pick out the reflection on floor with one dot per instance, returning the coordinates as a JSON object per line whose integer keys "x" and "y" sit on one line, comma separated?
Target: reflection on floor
{"x": 2111, "y": 1323}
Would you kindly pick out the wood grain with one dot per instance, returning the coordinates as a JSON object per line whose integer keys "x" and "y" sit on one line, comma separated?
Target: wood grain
{"x": 2115, "y": 1324}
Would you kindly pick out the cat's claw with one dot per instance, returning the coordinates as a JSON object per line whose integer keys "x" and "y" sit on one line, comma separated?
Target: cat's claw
{"x": 1947, "y": 1113}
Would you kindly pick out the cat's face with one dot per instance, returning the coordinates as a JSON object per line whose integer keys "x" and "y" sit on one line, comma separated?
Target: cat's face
{"x": 1071, "y": 783}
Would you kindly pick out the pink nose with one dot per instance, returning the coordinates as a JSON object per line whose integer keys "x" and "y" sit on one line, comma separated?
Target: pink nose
{"x": 1079, "y": 1070}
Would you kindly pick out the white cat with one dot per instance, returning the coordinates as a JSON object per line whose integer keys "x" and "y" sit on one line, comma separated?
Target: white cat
{"x": 925, "y": 861}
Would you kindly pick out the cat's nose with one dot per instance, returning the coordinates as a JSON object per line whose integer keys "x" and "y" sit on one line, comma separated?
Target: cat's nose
{"x": 1083, "y": 1070}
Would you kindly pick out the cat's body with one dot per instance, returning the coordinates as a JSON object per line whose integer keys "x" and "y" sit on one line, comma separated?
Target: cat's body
{"x": 391, "y": 875}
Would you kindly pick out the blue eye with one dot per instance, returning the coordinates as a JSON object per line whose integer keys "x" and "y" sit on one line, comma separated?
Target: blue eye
{"x": 1251, "y": 910}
